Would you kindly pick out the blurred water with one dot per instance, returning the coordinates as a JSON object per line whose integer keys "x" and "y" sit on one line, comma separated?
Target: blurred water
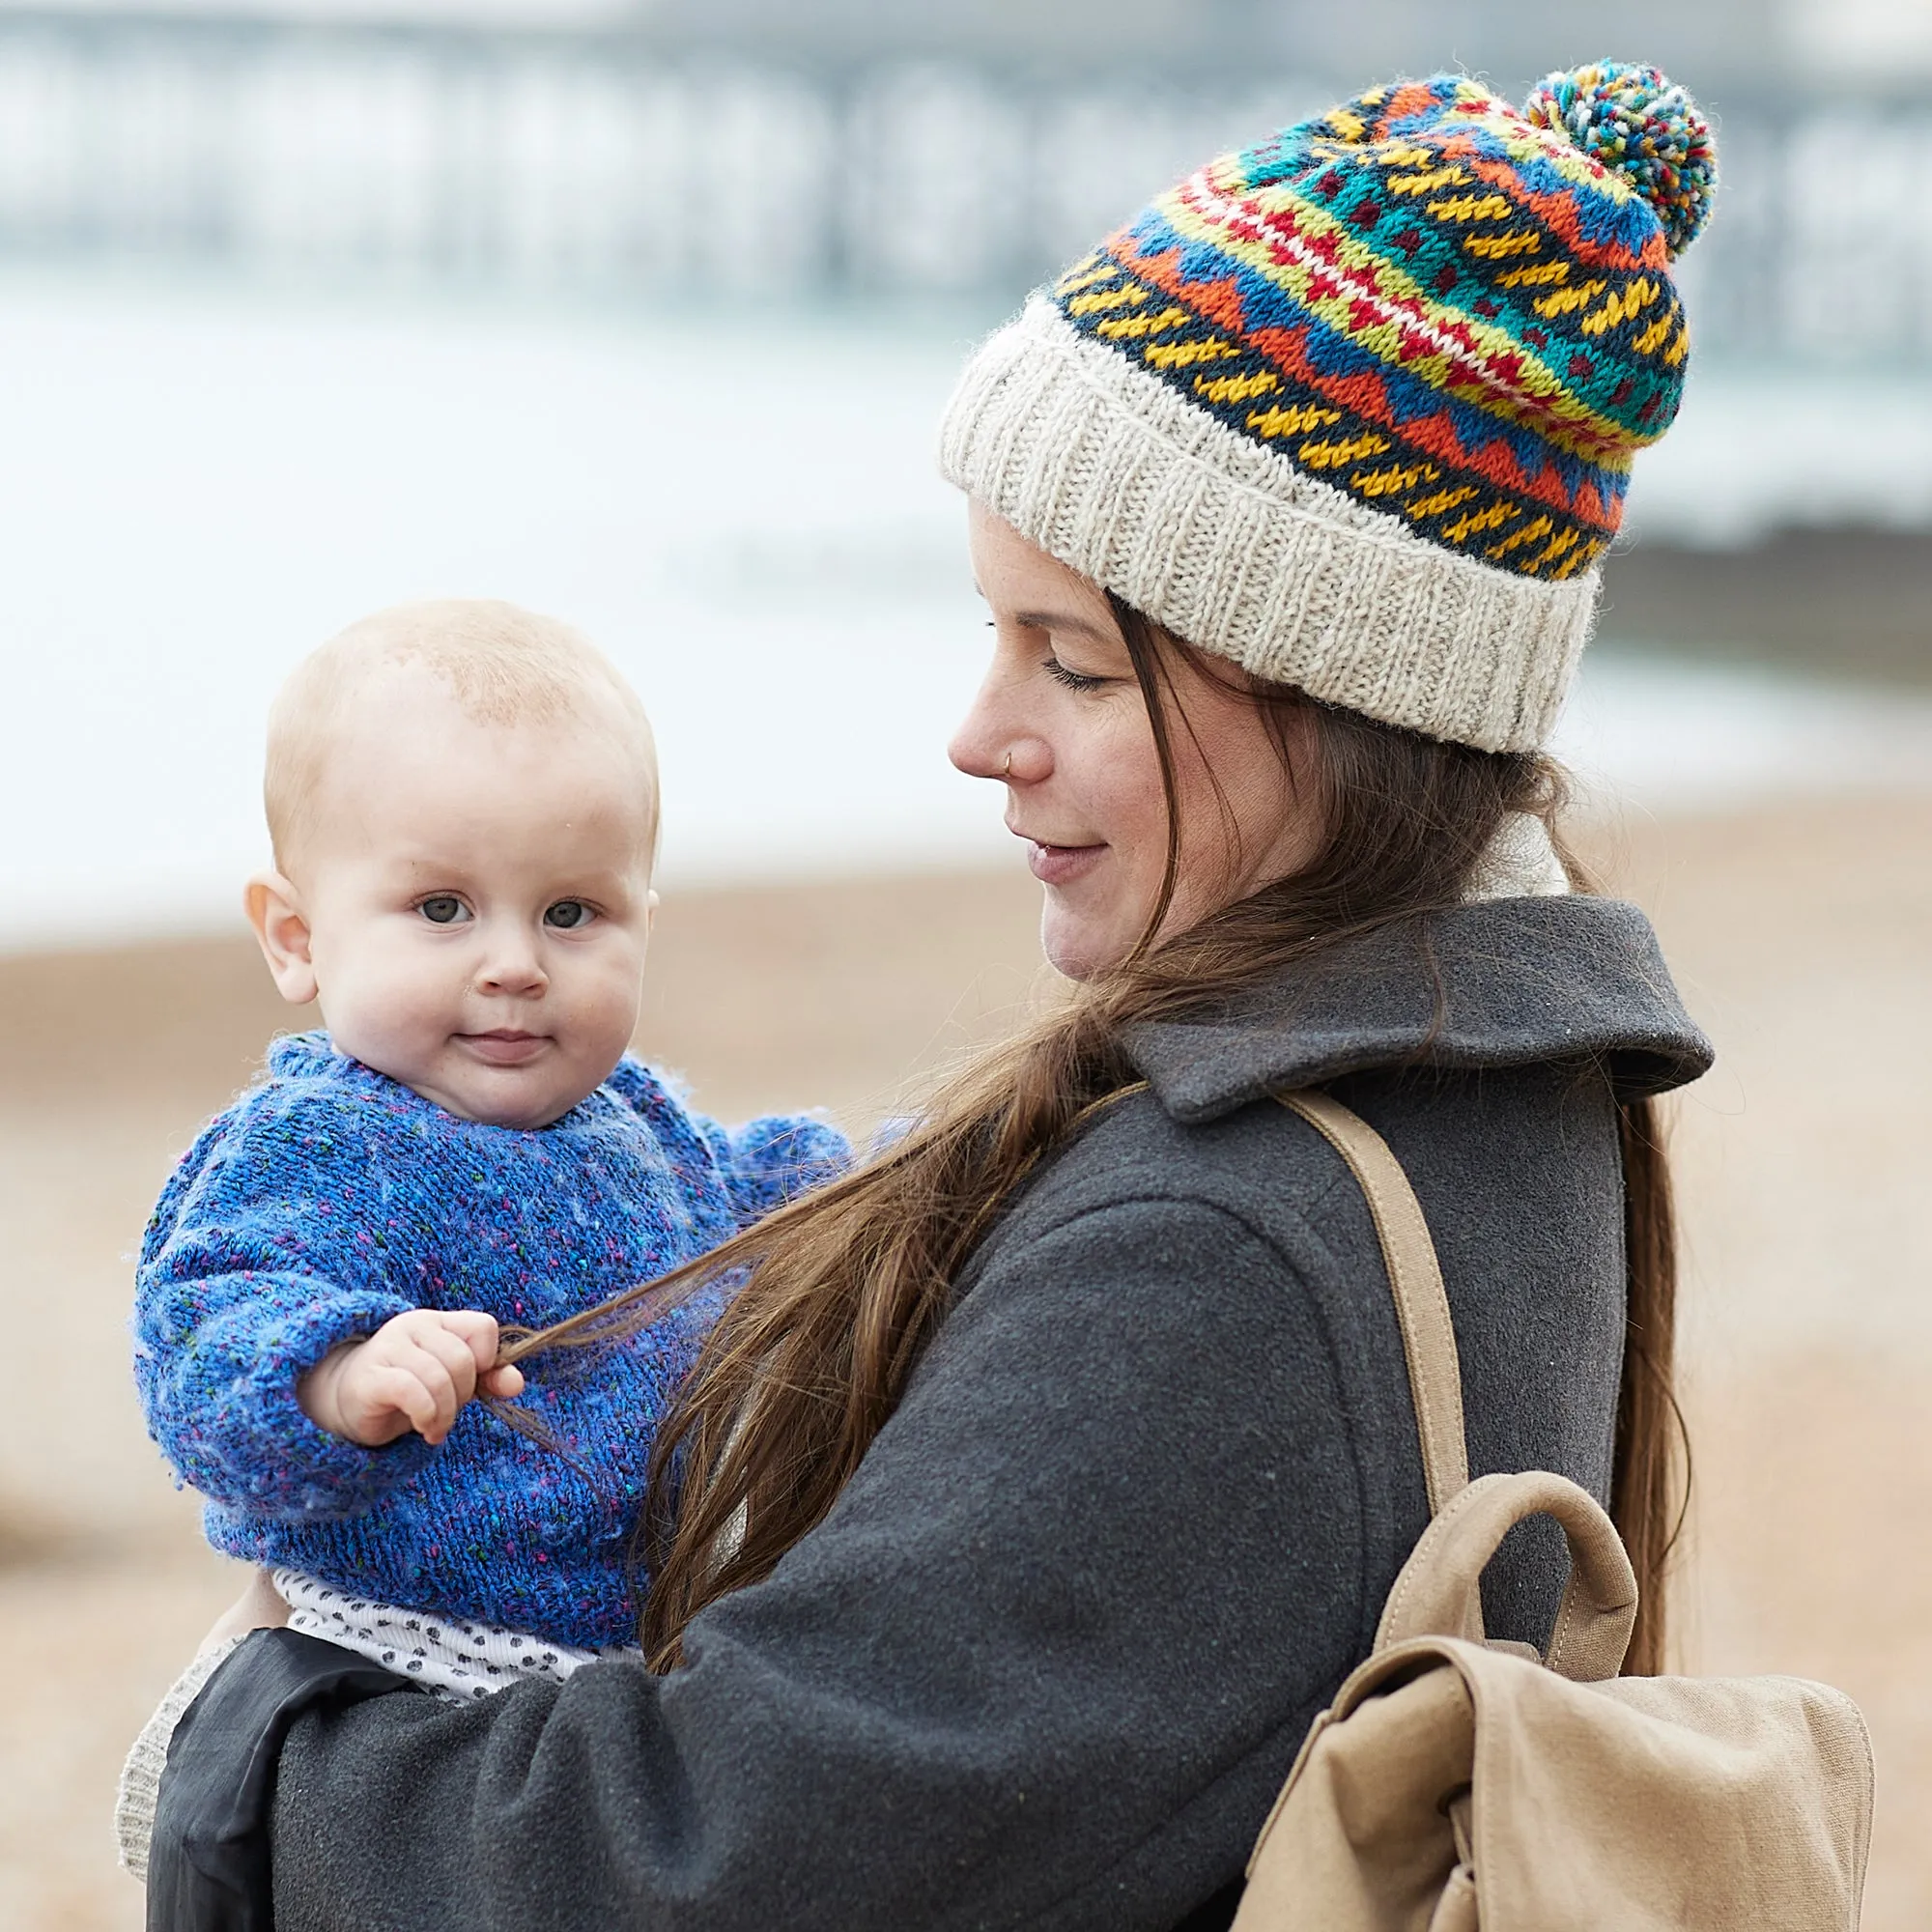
{"x": 197, "y": 485}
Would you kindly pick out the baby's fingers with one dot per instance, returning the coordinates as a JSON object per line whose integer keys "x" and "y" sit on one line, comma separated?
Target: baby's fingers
{"x": 475, "y": 1330}
{"x": 502, "y": 1384}
{"x": 402, "y": 1390}
{"x": 449, "y": 1384}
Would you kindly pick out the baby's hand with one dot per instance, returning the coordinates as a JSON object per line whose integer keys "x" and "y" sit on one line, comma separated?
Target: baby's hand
{"x": 415, "y": 1372}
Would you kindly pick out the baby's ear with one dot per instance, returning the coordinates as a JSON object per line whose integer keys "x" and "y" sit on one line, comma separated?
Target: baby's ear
{"x": 281, "y": 930}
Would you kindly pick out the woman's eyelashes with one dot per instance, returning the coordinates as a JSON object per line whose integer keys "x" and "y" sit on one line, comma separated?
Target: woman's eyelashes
{"x": 1074, "y": 680}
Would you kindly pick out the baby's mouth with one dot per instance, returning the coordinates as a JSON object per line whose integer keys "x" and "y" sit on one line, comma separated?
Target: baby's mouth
{"x": 505, "y": 1046}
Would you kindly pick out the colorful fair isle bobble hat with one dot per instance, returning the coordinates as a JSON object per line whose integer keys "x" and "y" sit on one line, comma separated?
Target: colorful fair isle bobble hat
{"x": 1357, "y": 407}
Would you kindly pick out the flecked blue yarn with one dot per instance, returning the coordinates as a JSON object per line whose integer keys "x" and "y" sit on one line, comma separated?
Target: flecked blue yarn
{"x": 1636, "y": 121}
{"x": 329, "y": 1199}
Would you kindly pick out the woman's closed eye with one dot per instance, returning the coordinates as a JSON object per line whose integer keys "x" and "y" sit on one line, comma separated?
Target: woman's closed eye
{"x": 1074, "y": 680}
{"x": 444, "y": 909}
{"x": 568, "y": 914}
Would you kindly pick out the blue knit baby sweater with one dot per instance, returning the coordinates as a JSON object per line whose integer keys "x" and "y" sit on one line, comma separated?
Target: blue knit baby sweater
{"x": 329, "y": 1198}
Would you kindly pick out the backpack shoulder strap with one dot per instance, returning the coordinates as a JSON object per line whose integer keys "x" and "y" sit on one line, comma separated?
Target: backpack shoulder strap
{"x": 1416, "y": 1280}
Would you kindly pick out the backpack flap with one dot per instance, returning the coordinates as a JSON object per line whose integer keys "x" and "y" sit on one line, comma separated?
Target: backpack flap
{"x": 1655, "y": 1804}
{"x": 1636, "y": 1805}
{"x": 1454, "y": 1785}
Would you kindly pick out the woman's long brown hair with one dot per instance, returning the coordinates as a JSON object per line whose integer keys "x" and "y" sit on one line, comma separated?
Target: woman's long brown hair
{"x": 842, "y": 1290}
{"x": 1650, "y": 1481}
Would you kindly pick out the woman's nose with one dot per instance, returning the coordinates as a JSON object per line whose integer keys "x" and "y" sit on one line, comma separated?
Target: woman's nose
{"x": 991, "y": 744}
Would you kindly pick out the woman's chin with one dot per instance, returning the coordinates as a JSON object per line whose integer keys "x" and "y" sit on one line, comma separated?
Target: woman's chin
{"x": 1077, "y": 945}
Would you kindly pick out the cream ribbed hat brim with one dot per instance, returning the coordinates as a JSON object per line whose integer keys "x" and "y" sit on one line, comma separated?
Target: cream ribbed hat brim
{"x": 1230, "y": 547}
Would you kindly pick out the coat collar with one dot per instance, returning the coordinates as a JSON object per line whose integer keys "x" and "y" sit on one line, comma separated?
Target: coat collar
{"x": 1512, "y": 982}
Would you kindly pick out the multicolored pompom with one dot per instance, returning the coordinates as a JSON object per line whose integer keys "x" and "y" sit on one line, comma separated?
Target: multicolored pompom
{"x": 1636, "y": 121}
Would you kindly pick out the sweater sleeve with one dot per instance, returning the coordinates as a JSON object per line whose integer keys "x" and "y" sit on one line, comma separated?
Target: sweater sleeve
{"x": 1043, "y": 1664}
{"x": 776, "y": 1158}
{"x": 264, "y": 1254}
{"x": 762, "y": 1165}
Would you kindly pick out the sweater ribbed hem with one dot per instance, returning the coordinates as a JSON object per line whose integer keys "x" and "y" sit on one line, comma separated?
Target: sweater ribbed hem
{"x": 1232, "y": 548}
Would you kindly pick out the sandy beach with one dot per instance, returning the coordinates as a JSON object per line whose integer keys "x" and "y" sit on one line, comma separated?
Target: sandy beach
{"x": 1798, "y": 932}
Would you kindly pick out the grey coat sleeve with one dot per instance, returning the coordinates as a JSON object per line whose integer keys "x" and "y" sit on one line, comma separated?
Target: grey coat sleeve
{"x": 1042, "y": 1665}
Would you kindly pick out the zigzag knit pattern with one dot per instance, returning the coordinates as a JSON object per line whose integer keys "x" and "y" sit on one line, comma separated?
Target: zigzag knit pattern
{"x": 329, "y": 1199}
{"x": 1456, "y": 316}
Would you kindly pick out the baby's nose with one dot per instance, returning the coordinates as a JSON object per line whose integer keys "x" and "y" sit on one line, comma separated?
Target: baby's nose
{"x": 512, "y": 966}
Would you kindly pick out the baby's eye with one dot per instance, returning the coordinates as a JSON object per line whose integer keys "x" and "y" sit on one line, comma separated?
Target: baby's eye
{"x": 442, "y": 909}
{"x": 568, "y": 914}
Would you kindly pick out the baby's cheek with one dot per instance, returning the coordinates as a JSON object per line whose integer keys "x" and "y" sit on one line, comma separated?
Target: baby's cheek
{"x": 397, "y": 1015}
{"x": 605, "y": 1003}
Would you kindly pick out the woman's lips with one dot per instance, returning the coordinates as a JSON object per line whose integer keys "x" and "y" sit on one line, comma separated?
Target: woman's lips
{"x": 505, "y": 1047}
{"x": 1062, "y": 865}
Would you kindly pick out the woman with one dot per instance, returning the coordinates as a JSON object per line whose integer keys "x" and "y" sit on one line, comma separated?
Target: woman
{"x": 1050, "y": 1472}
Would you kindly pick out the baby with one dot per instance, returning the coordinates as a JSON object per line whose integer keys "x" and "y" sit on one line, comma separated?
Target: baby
{"x": 463, "y": 802}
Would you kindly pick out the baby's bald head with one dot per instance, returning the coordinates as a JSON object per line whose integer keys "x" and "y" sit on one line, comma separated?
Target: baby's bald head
{"x": 503, "y": 667}
{"x": 463, "y": 804}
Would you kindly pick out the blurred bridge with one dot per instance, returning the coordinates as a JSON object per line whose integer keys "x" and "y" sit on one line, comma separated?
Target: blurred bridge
{"x": 719, "y": 145}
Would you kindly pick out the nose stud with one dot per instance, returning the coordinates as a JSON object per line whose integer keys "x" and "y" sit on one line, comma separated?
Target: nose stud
{"x": 1007, "y": 770}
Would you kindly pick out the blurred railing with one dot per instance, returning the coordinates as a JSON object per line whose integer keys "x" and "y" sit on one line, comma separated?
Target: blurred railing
{"x": 606, "y": 161}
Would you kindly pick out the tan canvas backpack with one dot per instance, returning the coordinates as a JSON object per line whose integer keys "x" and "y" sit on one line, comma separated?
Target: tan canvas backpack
{"x": 1456, "y": 1784}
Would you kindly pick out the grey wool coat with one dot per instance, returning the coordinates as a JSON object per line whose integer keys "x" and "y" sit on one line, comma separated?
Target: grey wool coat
{"x": 1050, "y": 1656}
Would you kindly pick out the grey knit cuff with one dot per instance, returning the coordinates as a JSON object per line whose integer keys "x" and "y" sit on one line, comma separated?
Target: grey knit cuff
{"x": 1232, "y": 548}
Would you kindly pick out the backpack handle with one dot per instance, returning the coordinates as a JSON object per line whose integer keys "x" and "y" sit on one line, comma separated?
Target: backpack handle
{"x": 1438, "y": 1591}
